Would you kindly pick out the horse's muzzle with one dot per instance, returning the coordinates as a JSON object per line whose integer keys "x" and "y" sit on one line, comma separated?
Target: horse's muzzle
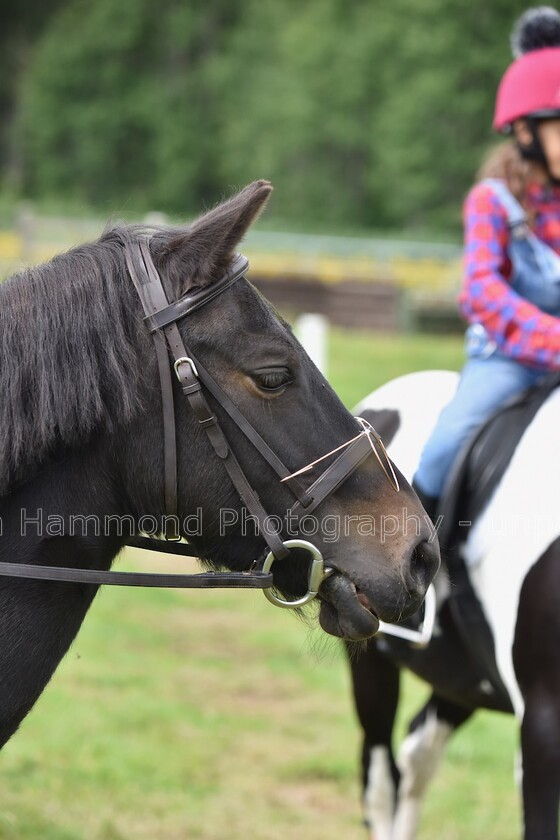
{"x": 345, "y": 610}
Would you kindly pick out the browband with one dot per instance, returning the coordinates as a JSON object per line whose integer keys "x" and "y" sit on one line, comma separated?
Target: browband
{"x": 194, "y": 300}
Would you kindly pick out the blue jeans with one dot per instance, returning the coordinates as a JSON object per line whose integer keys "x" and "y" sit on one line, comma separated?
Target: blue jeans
{"x": 484, "y": 386}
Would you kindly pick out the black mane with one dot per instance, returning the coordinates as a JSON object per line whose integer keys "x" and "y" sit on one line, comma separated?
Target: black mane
{"x": 70, "y": 334}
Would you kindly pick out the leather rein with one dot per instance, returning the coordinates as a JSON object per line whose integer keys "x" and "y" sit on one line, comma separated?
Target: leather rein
{"x": 172, "y": 356}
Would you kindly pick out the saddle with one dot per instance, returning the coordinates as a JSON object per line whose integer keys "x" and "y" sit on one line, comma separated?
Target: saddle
{"x": 473, "y": 479}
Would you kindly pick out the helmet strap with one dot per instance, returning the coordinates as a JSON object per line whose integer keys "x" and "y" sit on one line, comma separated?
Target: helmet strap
{"x": 534, "y": 152}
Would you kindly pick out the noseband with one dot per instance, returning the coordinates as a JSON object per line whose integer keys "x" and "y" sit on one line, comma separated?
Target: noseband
{"x": 161, "y": 319}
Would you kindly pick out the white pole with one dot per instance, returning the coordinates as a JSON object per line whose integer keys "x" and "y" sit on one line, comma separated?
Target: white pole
{"x": 312, "y": 331}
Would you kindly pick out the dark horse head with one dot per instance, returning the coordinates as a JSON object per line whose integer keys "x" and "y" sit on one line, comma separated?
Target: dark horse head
{"x": 81, "y": 429}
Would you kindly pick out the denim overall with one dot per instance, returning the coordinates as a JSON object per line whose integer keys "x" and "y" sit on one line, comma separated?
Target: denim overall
{"x": 489, "y": 379}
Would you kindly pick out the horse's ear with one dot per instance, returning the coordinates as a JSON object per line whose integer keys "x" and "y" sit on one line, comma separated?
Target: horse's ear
{"x": 201, "y": 254}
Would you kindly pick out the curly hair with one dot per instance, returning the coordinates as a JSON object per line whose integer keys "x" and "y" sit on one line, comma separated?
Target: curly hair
{"x": 504, "y": 161}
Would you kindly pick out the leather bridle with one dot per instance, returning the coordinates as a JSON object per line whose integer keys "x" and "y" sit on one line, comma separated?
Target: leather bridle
{"x": 161, "y": 319}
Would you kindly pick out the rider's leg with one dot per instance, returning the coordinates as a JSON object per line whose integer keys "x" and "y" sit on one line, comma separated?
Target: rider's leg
{"x": 484, "y": 386}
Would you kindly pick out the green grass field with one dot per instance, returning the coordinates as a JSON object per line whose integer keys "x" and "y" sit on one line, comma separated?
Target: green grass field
{"x": 213, "y": 716}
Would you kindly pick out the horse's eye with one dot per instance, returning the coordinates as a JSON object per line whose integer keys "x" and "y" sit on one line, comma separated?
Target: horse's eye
{"x": 273, "y": 380}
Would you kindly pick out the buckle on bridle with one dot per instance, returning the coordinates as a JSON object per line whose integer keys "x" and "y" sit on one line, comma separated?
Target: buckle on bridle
{"x": 184, "y": 360}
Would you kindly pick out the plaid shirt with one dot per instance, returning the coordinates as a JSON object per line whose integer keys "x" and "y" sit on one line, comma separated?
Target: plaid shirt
{"x": 520, "y": 329}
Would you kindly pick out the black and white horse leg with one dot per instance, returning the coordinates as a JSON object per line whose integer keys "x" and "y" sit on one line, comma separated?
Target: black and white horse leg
{"x": 376, "y": 695}
{"x": 419, "y": 757}
{"x": 536, "y": 654}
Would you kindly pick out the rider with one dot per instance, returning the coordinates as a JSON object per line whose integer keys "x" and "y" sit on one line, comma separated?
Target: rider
{"x": 511, "y": 289}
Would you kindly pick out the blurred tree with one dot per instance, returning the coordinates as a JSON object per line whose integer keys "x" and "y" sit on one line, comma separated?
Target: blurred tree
{"x": 363, "y": 113}
{"x": 21, "y": 23}
{"x": 438, "y": 107}
{"x": 120, "y": 105}
{"x": 306, "y": 114}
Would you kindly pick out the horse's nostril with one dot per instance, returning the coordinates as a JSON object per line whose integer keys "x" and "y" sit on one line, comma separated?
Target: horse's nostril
{"x": 424, "y": 562}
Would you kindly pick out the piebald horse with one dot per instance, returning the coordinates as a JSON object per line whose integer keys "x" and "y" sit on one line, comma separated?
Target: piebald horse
{"x": 513, "y": 554}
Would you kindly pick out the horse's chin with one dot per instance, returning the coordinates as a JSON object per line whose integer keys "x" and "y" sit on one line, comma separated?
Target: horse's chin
{"x": 345, "y": 612}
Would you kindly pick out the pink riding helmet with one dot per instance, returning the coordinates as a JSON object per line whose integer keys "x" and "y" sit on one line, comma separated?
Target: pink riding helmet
{"x": 530, "y": 87}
